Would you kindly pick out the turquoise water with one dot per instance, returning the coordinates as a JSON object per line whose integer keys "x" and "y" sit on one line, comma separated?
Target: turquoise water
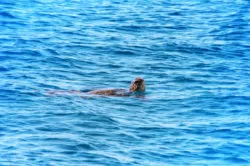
{"x": 194, "y": 56}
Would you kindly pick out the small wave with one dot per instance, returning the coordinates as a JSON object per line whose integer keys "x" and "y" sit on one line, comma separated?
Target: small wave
{"x": 124, "y": 52}
{"x": 237, "y": 160}
{"x": 3, "y": 69}
{"x": 129, "y": 28}
{"x": 7, "y": 15}
{"x": 182, "y": 79}
{"x": 175, "y": 14}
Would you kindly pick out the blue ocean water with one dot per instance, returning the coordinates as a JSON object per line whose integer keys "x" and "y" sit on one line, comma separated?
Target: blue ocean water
{"x": 194, "y": 56}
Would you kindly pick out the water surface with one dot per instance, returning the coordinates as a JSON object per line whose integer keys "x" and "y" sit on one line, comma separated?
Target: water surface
{"x": 194, "y": 56}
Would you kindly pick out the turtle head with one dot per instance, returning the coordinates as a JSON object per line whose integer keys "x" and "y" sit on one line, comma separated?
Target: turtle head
{"x": 137, "y": 85}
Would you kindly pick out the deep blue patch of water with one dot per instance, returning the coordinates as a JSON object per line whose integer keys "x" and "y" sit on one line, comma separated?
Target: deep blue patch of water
{"x": 194, "y": 56}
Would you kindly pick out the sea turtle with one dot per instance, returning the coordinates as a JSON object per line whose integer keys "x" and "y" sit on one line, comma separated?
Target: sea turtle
{"x": 137, "y": 87}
